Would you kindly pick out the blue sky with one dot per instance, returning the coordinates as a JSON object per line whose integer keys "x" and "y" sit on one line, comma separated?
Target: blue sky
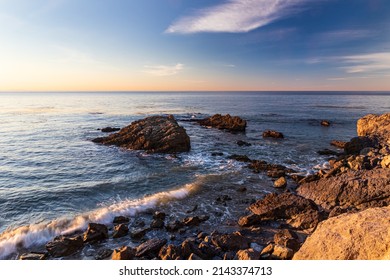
{"x": 195, "y": 45}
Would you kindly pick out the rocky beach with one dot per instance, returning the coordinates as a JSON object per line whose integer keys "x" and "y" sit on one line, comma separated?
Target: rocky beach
{"x": 340, "y": 212}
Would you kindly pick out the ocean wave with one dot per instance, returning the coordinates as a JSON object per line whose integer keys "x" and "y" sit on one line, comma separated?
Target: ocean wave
{"x": 39, "y": 234}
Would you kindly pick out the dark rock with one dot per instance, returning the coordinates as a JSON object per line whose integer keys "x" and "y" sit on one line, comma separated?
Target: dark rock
{"x": 276, "y": 173}
{"x": 353, "y": 189}
{"x": 120, "y": 231}
{"x": 150, "y": 247}
{"x": 193, "y": 209}
{"x": 33, "y": 256}
{"x": 63, "y": 246}
{"x": 123, "y": 253}
{"x": 243, "y": 143}
{"x": 272, "y": 134}
{"x": 95, "y": 232}
{"x": 338, "y": 144}
{"x": 103, "y": 254}
{"x": 231, "y": 242}
{"x": 194, "y": 257}
{"x": 223, "y": 198}
{"x": 215, "y": 154}
{"x": 157, "y": 223}
{"x": 327, "y": 152}
{"x": 299, "y": 212}
{"x": 309, "y": 178}
{"x": 189, "y": 246}
{"x": 191, "y": 221}
{"x": 110, "y": 129}
{"x": 242, "y": 189}
{"x": 208, "y": 251}
{"x": 241, "y": 158}
{"x": 138, "y": 233}
{"x": 227, "y": 122}
{"x": 247, "y": 254}
{"x": 121, "y": 220}
{"x": 170, "y": 252}
{"x": 154, "y": 134}
{"x": 159, "y": 215}
{"x": 229, "y": 256}
{"x": 287, "y": 238}
{"x": 174, "y": 226}
{"x": 356, "y": 144}
{"x": 325, "y": 123}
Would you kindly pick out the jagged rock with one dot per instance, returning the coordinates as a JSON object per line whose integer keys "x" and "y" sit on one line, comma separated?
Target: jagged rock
{"x": 226, "y": 122}
{"x": 247, "y": 254}
{"x": 120, "y": 231}
{"x": 282, "y": 253}
{"x": 103, "y": 254}
{"x": 121, "y": 220}
{"x": 243, "y": 143}
{"x": 157, "y": 223}
{"x": 301, "y": 213}
{"x": 268, "y": 249}
{"x": 207, "y": 250}
{"x": 123, "y": 253}
{"x": 231, "y": 242}
{"x": 356, "y": 144}
{"x": 191, "y": 221}
{"x": 357, "y": 189}
{"x": 95, "y": 232}
{"x": 287, "y": 238}
{"x": 150, "y": 247}
{"x": 154, "y": 134}
{"x": 33, "y": 256}
{"x": 280, "y": 183}
{"x": 63, "y": 246}
{"x": 375, "y": 126}
{"x": 364, "y": 235}
{"x": 194, "y": 257}
{"x": 272, "y": 134}
{"x": 174, "y": 226}
{"x": 170, "y": 252}
{"x": 338, "y": 144}
{"x": 138, "y": 233}
{"x": 190, "y": 246}
{"x": 159, "y": 215}
{"x": 110, "y": 129}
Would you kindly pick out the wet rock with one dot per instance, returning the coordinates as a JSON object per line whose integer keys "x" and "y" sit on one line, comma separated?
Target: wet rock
{"x": 120, "y": 231}
{"x": 287, "y": 238}
{"x": 282, "y": 253}
{"x": 338, "y": 144}
{"x": 309, "y": 178}
{"x": 247, "y": 254}
{"x": 110, "y": 129}
{"x": 170, "y": 252}
{"x": 103, "y": 254}
{"x": 298, "y": 211}
{"x": 280, "y": 183}
{"x": 325, "y": 123}
{"x": 190, "y": 246}
{"x": 193, "y": 209}
{"x": 155, "y": 134}
{"x": 242, "y": 189}
{"x": 356, "y": 144}
{"x": 276, "y": 173}
{"x": 138, "y": 233}
{"x": 123, "y": 253}
{"x": 243, "y": 143}
{"x": 327, "y": 152}
{"x": 157, "y": 223}
{"x": 229, "y": 256}
{"x": 375, "y": 126}
{"x": 194, "y": 257}
{"x": 216, "y": 154}
{"x": 226, "y": 122}
{"x": 63, "y": 246}
{"x": 174, "y": 226}
{"x": 272, "y": 134}
{"x": 95, "y": 232}
{"x": 223, "y": 198}
{"x": 33, "y": 256}
{"x": 241, "y": 158}
{"x": 191, "y": 221}
{"x": 150, "y": 247}
{"x": 159, "y": 215}
{"x": 359, "y": 236}
{"x": 121, "y": 220}
{"x": 231, "y": 242}
{"x": 207, "y": 250}
{"x": 353, "y": 189}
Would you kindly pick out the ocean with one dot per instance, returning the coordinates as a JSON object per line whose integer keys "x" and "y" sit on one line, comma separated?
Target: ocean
{"x": 54, "y": 180}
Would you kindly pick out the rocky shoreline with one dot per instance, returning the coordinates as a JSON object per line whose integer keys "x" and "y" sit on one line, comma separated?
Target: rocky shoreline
{"x": 303, "y": 219}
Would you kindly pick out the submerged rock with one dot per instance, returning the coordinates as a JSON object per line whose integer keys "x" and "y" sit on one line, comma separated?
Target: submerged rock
{"x": 155, "y": 134}
{"x": 110, "y": 129}
{"x": 364, "y": 235}
{"x": 325, "y": 123}
{"x": 272, "y": 134}
{"x": 226, "y": 122}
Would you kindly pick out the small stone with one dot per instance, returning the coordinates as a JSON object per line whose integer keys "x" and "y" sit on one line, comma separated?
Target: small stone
{"x": 280, "y": 183}
{"x": 138, "y": 233}
{"x": 159, "y": 215}
{"x": 123, "y": 253}
{"x": 385, "y": 163}
{"x": 268, "y": 249}
{"x": 120, "y": 231}
{"x": 247, "y": 254}
{"x": 194, "y": 257}
{"x": 158, "y": 223}
{"x": 242, "y": 189}
{"x": 272, "y": 134}
{"x": 282, "y": 253}
{"x": 243, "y": 143}
{"x": 103, "y": 253}
{"x": 325, "y": 123}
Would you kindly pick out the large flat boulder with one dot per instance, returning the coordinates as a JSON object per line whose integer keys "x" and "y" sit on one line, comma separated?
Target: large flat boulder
{"x": 155, "y": 134}
{"x": 353, "y": 189}
{"x": 364, "y": 235}
{"x": 225, "y": 122}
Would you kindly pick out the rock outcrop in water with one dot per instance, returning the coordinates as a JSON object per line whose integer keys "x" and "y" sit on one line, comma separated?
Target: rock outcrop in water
{"x": 226, "y": 122}
{"x": 155, "y": 134}
{"x": 364, "y": 235}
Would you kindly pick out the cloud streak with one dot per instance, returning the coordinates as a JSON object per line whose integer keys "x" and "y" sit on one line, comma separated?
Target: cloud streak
{"x": 163, "y": 70}
{"x": 368, "y": 63}
{"x": 236, "y": 16}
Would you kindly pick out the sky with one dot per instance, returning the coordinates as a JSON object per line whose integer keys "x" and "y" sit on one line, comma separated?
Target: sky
{"x": 193, "y": 45}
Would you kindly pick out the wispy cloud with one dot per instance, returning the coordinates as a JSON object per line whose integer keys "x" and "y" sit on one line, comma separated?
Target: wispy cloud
{"x": 236, "y": 16}
{"x": 367, "y": 63}
{"x": 163, "y": 70}
{"x": 343, "y": 35}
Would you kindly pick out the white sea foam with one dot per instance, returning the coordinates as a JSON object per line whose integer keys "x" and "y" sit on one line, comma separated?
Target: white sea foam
{"x": 38, "y": 234}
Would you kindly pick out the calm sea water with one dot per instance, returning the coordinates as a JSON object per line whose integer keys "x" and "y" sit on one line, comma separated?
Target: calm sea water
{"x": 54, "y": 180}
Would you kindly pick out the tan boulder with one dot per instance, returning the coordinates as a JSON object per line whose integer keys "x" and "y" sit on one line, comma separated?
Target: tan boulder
{"x": 377, "y": 126}
{"x": 359, "y": 236}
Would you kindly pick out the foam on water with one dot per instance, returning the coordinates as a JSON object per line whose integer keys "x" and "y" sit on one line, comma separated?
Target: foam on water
{"x": 38, "y": 234}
